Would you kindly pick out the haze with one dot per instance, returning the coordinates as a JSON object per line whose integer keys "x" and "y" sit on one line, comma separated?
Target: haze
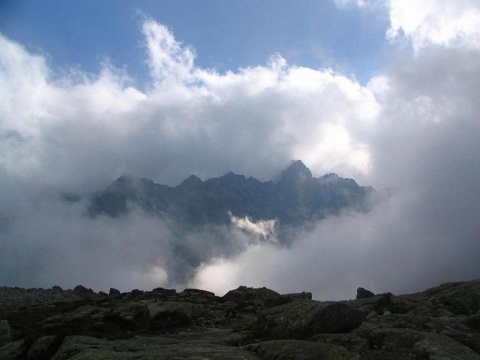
{"x": 399, "y": 112}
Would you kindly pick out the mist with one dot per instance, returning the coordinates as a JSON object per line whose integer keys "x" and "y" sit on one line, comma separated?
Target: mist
{"x": 413, "y": 129}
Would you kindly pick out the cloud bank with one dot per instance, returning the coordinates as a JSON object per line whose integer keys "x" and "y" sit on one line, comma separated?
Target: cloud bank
{"x": 413, "y": 129}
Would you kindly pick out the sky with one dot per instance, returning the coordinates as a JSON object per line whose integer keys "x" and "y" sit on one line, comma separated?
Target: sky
{"x": 381, "y": 91}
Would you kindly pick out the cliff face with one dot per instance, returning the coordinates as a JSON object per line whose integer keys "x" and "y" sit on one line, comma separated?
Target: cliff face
{"x": 246, "y": 323}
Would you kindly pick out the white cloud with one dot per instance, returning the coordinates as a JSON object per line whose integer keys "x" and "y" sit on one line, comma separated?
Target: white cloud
{"x": 433, "y": 22}
{"x": 101, "y": 126}
{"x": 168, "y": 60}
{"x": 414, "y": 127}
{"x": 363, "y": 4}
{"x": 265, "y": 229}
{"x": 429, "y": 22}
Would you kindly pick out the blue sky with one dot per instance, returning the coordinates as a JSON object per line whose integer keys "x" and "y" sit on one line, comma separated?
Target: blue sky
{"x": 381, "y": 91}
{"x": 226, "y": 35}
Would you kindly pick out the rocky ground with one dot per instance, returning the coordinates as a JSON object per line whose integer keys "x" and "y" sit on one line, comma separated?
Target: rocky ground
{"x": 439, "y": 323}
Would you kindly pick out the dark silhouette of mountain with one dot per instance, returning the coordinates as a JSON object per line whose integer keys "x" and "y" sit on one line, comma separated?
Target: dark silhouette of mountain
{"x": 293, "y": 198}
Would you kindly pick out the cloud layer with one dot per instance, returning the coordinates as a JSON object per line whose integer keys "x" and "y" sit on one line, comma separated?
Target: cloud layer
{"x": 414, "y": 129}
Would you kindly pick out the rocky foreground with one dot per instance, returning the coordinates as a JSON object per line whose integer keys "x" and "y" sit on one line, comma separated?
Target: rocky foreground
{"x": 246, "y": 323}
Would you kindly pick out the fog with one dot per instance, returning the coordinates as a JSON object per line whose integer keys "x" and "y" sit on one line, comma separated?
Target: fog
{"x": 413, "y": 129}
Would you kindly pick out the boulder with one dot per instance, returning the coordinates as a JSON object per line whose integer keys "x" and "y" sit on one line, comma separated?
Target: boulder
{"x": 44, "y": 348}
{"x": 13, "y": 350}
{"x": 434, "y": 346}
{"x": 473, "y": 322}
{"x": 299, "y": 296}
{"x": 299, "y": 350}
{"x": 460, "y": 298}
{"x": 80, "y": 289}
{"x": 5, "y": 332}
{"x": 304, "y": 319}
{"x": 364, "y": 293}
{"x": 198, "y": 292}
{"x": 423, "y": 345}
{"x": 247, "y": 297}
{"x": 151, "y": 347}
{"x": 114, "y": 291}
{"x": 162, "y": 291}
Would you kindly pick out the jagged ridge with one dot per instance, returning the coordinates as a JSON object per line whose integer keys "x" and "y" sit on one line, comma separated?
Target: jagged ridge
{"x": 295, "y": 197}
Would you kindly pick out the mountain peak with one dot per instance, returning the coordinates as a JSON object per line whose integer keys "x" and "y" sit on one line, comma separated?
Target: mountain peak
{"x": 296, "y": 171}
{"x": 192, "y": 181}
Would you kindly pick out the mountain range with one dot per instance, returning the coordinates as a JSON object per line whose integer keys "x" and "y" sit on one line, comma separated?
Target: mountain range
{"x": 294, "y": 198}
{"x": 220, "y": 217}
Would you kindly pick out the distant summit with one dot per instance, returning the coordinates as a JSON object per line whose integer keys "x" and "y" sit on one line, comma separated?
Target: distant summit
{"x": 296, "y": 171}
{"x": 293, "y": 198}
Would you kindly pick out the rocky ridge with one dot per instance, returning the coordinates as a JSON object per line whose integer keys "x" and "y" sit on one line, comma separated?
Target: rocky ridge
{"x": 293, "y": 199}
{"x": 246, "y": 323}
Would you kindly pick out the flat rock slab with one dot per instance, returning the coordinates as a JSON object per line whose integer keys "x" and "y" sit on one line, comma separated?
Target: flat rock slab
{"x": 299, "y": 350}
{"x": 147, "y": 348}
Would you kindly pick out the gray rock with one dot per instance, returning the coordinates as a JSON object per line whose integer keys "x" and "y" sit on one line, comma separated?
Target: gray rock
{"x": 461, "y": 298}
{"x": 198, "y": 292}
{"x": 364, "y": 293}
{"x": 440, "y": 323}
{"x": 114, "y": 291}
{"x": 162, "y": 291}
{"x": 44, "y": 348}
{"x": 299, "y": 296}
{"x": 247, "y": 296}
{"x": 154, "y": 347}
{"x": 13, "y": 350}
{"x": 299, "y": 350}
{"x": 439, "y": 347}
{"x": 5, "y": 332}
{"x": 423, "y": 345}
{"x": 301, "y": 320}
{"x": 80, "y": 289}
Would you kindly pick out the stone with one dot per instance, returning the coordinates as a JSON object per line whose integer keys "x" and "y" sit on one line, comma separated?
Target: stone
{"x": 364, "y": 293}
{"x": 434, "y": 346}
{"x": 301, "y": 320}
{"x": 13, "y": 350}
{"x": 299, "y": 350}
{"x": 473, "y": 322}
{"x": 249, "y": 323}
{"x": 244, "y": 296}
{"x": 461, "y": 298}
{"x": 5, "y": 332}
{"x": 198, "y": 292}
{"x": 114, "y": 291}
{"x": 162, "y": 291}
{"x": 80, "y": 289}
{"x": 299, "y": 296}
{"x": 147, "y": 348}
{"x": 44, "y": 348}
